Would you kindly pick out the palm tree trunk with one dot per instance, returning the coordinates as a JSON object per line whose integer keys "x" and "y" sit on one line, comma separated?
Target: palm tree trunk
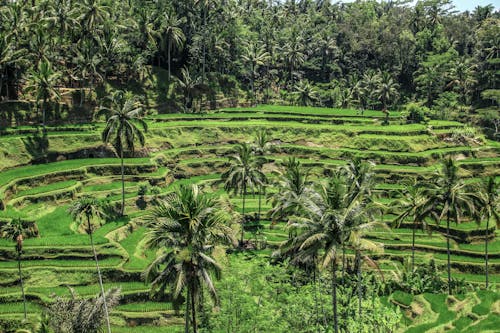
{"x": 243, "y": 220}
{"x": 448, "y": 250}
{"x": 122, "y": 210}
{"x": 168, "y": 58}
{"x": 316, "y": 309}
{"x": 260, "y": 206}
{"x": 186, "y": 314}
{"x": 486, "y": 251}
{"x": 106, "y": 313}
{"x": 21, "y": 281}
{"x": 360, "y": 292}
{"x": 205, "y": 9}
{"x": 343, "y": 263}
{"x": 193, "y": 313}
{"x": 413, "y": 247}
{"x": 334, "y": 296}
{"x": 44, "y": 103}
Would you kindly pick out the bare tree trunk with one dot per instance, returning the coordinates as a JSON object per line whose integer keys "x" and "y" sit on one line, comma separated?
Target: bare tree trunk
{"x": 243, "y": 220}
{"x": 186, "y": 314}
{"x": 168, "y": 58}
{"x": 448, "y": 250}
{"x": 360, "y": 291}
{"x": 486, "y": 251}
{"x": 193, "y": 313}
{"x": 122, "y": 210}
{"x": 21, "y": 281}
{"x": 334, "y": 296}
{"x": 106, "y": 313}
{"x": 413, "y": 247}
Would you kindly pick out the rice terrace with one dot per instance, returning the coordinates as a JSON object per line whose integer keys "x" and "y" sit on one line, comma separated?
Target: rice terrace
{"x": 249, "y": 166}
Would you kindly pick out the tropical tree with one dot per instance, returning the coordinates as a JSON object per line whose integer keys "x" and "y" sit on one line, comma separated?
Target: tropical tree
{"x": 87, "y": 211}
{"x": 187, "y": 226}
{"x": 414, "y": 203}
{"x": 305, "y": 93}
{"x": 244, "y": 174}
{"x": 293, "y": 187}
{"x": 123, "y": 128}
{"x": 386, "y": 92}
{"x": 43, "y": 83}
{"x": 173, "y": 35}
{"x": 17, "y": 230}
{"x": 189, "y": 87}
{"x": 452, "y": 199}
{"x": 255, "y": 56}
{"x": 489, "y": 209}
{"x": 261, "y": 147}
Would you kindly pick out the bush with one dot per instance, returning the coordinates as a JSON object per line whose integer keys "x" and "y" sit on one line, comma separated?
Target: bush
{"x": 414, "y": 113}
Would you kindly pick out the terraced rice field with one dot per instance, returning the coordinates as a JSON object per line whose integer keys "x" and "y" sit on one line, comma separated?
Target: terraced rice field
{"x": 183, "y": 149}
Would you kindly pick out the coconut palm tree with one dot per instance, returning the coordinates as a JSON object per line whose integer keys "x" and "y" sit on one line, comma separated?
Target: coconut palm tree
{"x": 87, "y": 211}
{"x": 42, "y": 82}
{"x": 189, "y": 86}
{"x": 305, "y": 93}
{"x": 173, "y": 35}
{"x": 414, "y": 203}
{"x": 244, "y": 174}
{"x": 187, "y": 226}
{"x": 123, "y": 128}
{"x": 261, "y": 147}
{"x": 293, "y": 186}
{"x": 255, "y": 56}
{"x": 386, "y": 92}
{"x": 489, "y": 209}
{"x": 452, "y": 199}
{"x": 17, "y": 230}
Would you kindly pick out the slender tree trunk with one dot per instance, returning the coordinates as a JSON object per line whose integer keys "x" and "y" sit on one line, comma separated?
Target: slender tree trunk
{"x": 413, "y": 247}
{"x": 316, "y": 308}
{"x": 243, "y": 219}
{"x": 186, "y": 314}
{"x": 343, "y": 263}
{"x": 448, "y": 250}
{"x": 106, "y": 313}
{"x": 21, "y": 281}
{"x": 205, "y": 9}
{"x": 122, "y": 210}
{"x": 486, "y": 251}
{"x": 260, "y": 205}
{"x": 168, "y": 58}
{"x": 193, "y": 313}
{"x": 44, "y": 104}
{"x": 334, "y": 296}
{"x": 360, "y": 291}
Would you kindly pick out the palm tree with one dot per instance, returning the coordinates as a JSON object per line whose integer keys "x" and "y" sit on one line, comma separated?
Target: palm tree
{"x": 415, "y": 203}
{"x": 294, "y": 55}
{"x": 261, "y": 147}
{"x": 293, "y": 188}
{"x": 490, "y": 206}
{"x": 386, "y": 91}
{"x": 43, "y": 83}
{"x": 189, "y": 86}
{"x": 17, "y": 230}
{"x": 305, "y": 93}
{"x": 243, "y": 174}
{"x": 187, "y": 227}
{"x": 451, "y": 199}
{"x": 122, "y": 130}
{"x": 174, "y": 36}
{"x": 255, "y": 56}
{"x": 87, "y": 210}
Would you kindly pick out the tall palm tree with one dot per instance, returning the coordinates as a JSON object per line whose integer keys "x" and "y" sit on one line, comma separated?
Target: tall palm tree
{"x": 386, "y": 91}
{"x": 255, "y": 56}
{"x": 173, "y": 35}
{"x": 415, "y": 203}
{"x": 187, "y": 226}
{"x": 17, "y": 230}
{"x": 261, "y": 147}
{"x": 88, "y": 210}
{"x": 43, "y": 83}
{"x": 244, "y": 174}
{"x": 122, "y": 129}
{"x": 189, "y": 86}
{"x": 293, "y": 186}
{"x": 489, "y": 209}
{"x": 452, "y": 199}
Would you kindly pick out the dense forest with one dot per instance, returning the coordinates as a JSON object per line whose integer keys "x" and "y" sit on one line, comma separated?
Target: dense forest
{"x": 427, "y": 58}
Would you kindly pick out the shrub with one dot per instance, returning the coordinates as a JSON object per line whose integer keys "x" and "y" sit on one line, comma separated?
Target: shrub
{"x": 414, "y": 113}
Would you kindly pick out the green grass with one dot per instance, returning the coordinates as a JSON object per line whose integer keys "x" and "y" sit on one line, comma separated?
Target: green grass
{"x": 487, "y": 299}
{"x": 145, "y": 307}
{"x": 47, "y": 188}
{"x": 403, "y": 298}
{"x": 438, "y": 305}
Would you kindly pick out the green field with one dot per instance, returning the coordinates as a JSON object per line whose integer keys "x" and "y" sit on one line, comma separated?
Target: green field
{"x": 194, "y": 149}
